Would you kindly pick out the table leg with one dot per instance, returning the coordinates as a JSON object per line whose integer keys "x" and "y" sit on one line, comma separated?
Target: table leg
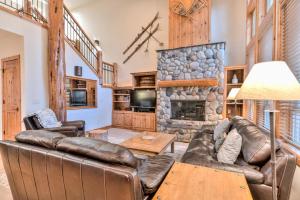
{"x": 172, "y": 147}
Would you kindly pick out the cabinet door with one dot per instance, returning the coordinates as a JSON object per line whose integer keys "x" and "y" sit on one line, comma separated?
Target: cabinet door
{"x": 118, "y": 119}
{"x": 150, "y": 122}
{"x": 136, "y": 121}
{"x": 128, "y": 120}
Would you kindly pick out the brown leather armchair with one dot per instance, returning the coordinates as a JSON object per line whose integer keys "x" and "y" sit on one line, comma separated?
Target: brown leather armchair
{"x": 68, "y": 128}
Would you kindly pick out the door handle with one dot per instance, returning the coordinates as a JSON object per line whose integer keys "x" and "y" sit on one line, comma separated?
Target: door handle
{"x": 17, "y": 109}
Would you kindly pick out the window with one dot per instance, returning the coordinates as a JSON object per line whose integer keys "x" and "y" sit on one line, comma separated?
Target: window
{"x": 269, "y": 4}
{"x": 108, "y": 74}
{"x": 290, "y": 52}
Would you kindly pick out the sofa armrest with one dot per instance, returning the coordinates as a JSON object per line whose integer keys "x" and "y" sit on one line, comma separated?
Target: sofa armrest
{"x": 70, "y": 131}
{"x": 79, "y": 123}
{"x": 253, "y": 176}
{"x": 152, "y": 172}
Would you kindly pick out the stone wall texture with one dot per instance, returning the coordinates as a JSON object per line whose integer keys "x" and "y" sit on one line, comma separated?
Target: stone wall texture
{"x": 189, "y": 63}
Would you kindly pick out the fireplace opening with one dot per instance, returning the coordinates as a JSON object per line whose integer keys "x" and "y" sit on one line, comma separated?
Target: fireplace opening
{"x": 188, "y": 110}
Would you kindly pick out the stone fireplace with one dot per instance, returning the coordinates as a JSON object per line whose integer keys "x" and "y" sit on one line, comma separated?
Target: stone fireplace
{"x": 185, "y": 110}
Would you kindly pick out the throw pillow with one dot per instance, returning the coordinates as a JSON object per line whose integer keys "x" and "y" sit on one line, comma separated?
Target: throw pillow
{"x": 221, "y": 128}
{"x": 219, "y": 141}
{"x": 47, "y": 118}
{"x": 231, "y": 148}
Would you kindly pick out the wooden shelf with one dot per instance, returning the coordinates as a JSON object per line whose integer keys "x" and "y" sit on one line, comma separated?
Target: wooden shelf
{"x": 121, "y": 94}
{"x": 121, "y": 101}
{"x": 234, "y": 103}
{"x": 234, "y": 84}
{"x": 145, "y": 87}
{"x": 210, "y": 82}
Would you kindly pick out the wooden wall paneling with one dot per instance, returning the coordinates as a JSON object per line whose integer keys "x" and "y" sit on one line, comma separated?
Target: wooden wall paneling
{"x": 192, "y": 30}
{"x": 56, "y": 61}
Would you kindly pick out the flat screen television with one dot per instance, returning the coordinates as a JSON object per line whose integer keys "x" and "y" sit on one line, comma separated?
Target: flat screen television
{"x": 79, "y": 98}
{"x": 143, "y": 98}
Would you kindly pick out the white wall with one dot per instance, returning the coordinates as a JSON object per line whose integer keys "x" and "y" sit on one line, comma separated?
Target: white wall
{"x": 34, "y": 67}
{"x": 228, "y": 23}
{"x": 116, "y": 23}
{"x": 96, "y": 117}
{"x": 10, "y": 45}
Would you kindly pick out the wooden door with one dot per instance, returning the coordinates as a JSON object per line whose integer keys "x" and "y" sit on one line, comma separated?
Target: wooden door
{"x": 128, "y": 120}
{"x": 11, "y": 92}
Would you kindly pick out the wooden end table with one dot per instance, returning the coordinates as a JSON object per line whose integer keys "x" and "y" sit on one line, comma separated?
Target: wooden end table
{"x": 101, "y": 134}
{"x": 185, "y": 181}
{"x": 150, "y": 147}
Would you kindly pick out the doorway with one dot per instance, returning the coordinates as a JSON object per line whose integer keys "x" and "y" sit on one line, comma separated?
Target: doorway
{"x": 11, "y": 93}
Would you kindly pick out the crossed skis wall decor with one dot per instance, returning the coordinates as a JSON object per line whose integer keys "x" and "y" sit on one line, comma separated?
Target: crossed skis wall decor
{"x": 149, "y": 31}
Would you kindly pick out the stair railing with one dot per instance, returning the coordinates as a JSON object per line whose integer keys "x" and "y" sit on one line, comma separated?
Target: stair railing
{"x": 36, "y": 10}
{"x": 80, "y": 42}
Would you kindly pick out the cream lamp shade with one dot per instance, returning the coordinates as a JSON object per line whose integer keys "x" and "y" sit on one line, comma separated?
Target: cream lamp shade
{"x": 270, "y": 81}
{"x": 232, "y": 94}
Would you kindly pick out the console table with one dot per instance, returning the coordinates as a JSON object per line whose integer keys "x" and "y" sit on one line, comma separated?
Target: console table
{"x": 185, "y": 181}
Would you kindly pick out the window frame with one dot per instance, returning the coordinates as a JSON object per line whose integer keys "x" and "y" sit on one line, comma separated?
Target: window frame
{"x": 113, "y": 72}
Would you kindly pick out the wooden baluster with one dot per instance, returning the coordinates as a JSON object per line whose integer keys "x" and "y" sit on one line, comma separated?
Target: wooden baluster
{"x": 57, "y": 66}
{"x": 27, "y": 7}
{"x": 115, "y": 82}
{"x": 99, "y": 66}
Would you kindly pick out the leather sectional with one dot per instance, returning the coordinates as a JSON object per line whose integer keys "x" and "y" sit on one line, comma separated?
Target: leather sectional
{"x": 253, "y": 162}
{"x": 48, "y": 165}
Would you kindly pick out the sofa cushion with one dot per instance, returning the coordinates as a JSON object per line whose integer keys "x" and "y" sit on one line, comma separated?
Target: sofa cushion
{"x": 219, "y": 141}
{"x": 231, "y": 148}
{"x": 153, "y": 171}
{"x": 40, "y": 138}
{"x": 99, "y": 150}
{"x": 47, "y": 118}
{"x": 256, "y": 146}
{"x": 221, "y": 128}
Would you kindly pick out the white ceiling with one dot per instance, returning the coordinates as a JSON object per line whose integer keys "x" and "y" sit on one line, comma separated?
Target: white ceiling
{"x": 73, "y": 4}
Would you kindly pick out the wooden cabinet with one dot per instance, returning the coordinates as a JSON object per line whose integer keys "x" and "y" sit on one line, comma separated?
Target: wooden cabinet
{"x": 134, "y": 120}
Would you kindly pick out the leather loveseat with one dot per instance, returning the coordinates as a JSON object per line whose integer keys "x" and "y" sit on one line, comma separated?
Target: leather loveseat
{"x": 68, "y": 128}
{"x": 49, "y": 165}
{"x": 253, "y": 162}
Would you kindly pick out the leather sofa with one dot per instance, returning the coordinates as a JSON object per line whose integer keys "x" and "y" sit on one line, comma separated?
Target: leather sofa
{"x": 49, "y": 165}
{"x": 254, "y": 160}
{"x": 69, "y": 128}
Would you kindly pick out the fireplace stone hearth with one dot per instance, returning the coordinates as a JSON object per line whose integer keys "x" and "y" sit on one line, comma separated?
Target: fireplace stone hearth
{"x": 190, "y": 63}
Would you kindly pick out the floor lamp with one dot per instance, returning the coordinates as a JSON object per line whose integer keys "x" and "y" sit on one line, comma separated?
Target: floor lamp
{"x": 271, "y": 81}
{"x": 232, "y": 96}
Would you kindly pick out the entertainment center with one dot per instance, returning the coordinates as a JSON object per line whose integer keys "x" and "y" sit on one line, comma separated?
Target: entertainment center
{"x": 134, "y": 107}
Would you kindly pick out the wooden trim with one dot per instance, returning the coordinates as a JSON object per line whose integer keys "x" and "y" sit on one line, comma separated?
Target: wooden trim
{"x": 80, "y": 78}
{"x": 26, "y": 17}
{"x": 211, "y": 82}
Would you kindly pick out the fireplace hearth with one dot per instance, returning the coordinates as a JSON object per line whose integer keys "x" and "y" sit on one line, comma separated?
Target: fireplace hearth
{"x": 188, "y": 110}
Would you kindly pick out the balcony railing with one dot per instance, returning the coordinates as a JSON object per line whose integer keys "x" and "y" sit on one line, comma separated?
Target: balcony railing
{"x": 80, "y": 41}
{"x": 34, "y": 9}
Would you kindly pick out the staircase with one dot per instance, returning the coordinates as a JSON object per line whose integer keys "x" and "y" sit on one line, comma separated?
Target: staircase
{"x": 37, "y": 11}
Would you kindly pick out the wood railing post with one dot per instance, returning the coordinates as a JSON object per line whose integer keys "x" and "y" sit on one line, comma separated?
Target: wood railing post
{"x": 27, "y": 7}
{"x": 57, "y": 66}
{"x": 100, "y": 66}
{"x": 115, "y": 83}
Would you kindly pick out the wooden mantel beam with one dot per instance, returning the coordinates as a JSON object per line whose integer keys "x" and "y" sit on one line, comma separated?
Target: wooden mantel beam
{"x": 210, "y": 82}
{"x": 57, "y": 66}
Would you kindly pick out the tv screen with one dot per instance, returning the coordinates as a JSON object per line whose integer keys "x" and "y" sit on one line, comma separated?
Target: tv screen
{"x": 79, "y": 98}
{"x": 143, "y": 98}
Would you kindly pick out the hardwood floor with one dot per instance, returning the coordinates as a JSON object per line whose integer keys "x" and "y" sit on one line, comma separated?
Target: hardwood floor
{"x": 115, "y": 135}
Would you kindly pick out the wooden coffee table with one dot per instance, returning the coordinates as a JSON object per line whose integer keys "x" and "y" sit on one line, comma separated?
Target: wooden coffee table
{"x": 150, "y": 143}
{"x": 191, "y": 182}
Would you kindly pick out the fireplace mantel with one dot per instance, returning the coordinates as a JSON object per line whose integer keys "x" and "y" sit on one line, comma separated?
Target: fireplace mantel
{"x": 209, "y": 82}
